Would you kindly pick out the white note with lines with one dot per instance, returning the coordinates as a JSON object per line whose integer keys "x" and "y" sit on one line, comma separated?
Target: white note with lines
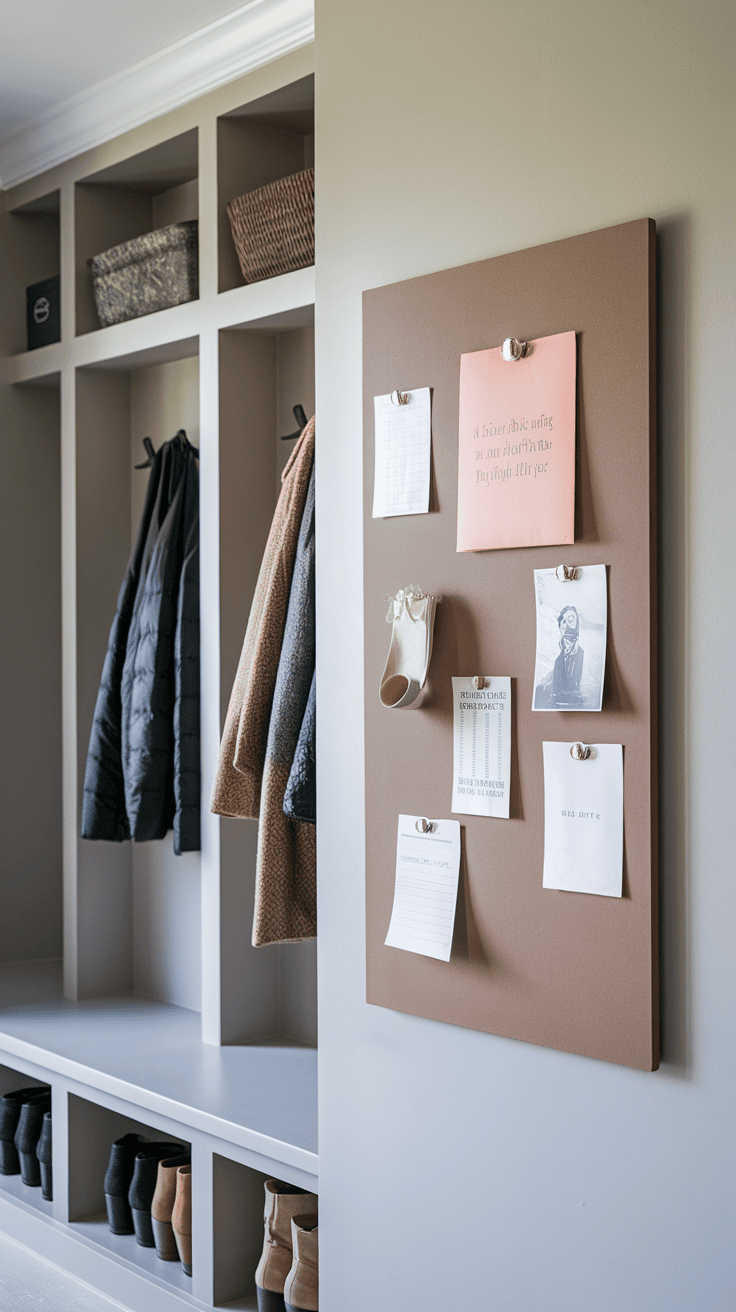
{"x": 425, "y": 893}
{"x": 482, "y": 746}
{"x": 403, "y": 442}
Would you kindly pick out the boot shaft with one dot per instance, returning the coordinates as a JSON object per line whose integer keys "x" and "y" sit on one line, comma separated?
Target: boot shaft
{"x": 43, "y": 1147}
{"x": 121, "y": 1164}
{"x": 181, "y": 1216}
{"x": 301, "y": 1288}
{"x": 145, "y": 1173}
{"x": 30, "y": 1122}
{"x": 11, "y": 1105}
{"x": 283, "y": 1201}
{"x": 162, "y": 1203}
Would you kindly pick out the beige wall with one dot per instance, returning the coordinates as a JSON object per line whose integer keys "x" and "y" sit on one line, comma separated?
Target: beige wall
{"x": 459, "y": 1169}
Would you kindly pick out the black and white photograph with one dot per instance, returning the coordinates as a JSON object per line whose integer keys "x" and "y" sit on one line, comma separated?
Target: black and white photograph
{"x": 572, "y": 615}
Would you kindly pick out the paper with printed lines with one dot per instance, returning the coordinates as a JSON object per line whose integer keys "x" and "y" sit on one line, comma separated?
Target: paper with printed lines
{"x": 403, "y": 443}
{"x": 425, "y": 892}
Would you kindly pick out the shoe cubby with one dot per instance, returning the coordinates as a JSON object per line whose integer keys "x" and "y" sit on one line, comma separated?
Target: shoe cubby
{"x": 13, "y": 1186}
{"x": 128, "y": 199}
{"x": 92, "y": 1131}
{"x": 33, "y": 230}
{"x": 238, "y": 1228}
{"x": 257, "y": 143}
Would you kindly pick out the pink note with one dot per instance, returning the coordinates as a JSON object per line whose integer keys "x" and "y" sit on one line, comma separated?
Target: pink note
{"x": 516, "y": 464}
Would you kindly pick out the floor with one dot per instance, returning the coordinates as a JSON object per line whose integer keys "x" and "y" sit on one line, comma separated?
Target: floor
{"x": 28, "y": 1284}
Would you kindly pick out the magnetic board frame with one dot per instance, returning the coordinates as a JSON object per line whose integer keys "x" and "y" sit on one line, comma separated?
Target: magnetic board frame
{"x": 566, "y": 970}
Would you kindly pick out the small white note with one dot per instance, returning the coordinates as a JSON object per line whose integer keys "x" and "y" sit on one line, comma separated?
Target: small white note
{"x": 425, "y": 894}
{"x": 482, "y": 746}
{"x": 584, "y": 819}
{"x": 403, "y": 441}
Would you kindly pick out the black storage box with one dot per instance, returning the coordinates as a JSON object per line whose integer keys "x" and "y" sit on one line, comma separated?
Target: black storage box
{"x": 43, "y": 313}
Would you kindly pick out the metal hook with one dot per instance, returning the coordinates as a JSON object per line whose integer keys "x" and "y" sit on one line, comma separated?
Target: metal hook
{"x": 402, "y": 397}
{"x": 150, "y": 452}
{"x": 513, "y": 349}
{"x": 424, "y": 826}
{"x": 301, "y": 419}
{"x": 569, "y": 573}
{"x": 579, "y": 752}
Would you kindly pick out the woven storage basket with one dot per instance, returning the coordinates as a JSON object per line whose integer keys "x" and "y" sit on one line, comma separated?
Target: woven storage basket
{"x": 273, "y": 227}
{"x": 147, "y": 274}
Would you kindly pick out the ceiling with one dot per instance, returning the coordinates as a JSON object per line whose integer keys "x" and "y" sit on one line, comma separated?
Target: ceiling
{"x": 50, "y": 51}
{"x": 74, "y": 76}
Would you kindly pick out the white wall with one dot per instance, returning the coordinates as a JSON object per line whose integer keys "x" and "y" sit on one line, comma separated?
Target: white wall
{"x": 460, "y": 1169}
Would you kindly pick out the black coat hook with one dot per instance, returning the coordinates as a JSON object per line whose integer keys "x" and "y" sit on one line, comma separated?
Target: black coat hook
{"x": 150, "y": 452}
{"x": 301, "y": 419}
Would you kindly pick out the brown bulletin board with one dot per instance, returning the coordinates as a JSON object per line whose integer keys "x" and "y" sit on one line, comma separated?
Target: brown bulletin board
{"x": 567, "y": 970}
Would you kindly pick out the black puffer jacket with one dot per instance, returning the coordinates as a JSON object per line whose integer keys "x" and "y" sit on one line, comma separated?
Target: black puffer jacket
{"x": 142, "y": 772}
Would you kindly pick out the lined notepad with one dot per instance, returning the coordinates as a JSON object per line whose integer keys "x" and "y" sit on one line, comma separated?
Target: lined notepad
{"x": 425, "y": 893}
{"x": 403, "y": 441}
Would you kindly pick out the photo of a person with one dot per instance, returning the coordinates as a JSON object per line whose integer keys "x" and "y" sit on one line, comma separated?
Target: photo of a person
{"x": 571, "y": 639}
{"x": 567, "y": 672}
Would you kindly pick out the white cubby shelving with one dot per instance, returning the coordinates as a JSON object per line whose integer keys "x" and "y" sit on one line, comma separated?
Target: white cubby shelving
{"x": 144, "y": 1004}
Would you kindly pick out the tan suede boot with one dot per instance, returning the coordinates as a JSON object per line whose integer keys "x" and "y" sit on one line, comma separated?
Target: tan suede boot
{"x": 301, "y": 1289}
{"x": 162, "y": 1206}
{"x": 283, "y": 1201}
{"x": 181, "y": 1217}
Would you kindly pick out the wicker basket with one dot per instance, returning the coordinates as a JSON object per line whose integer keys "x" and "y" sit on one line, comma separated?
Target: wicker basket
{"x": 147, "y": 274}
{"x": 273, "y": 227}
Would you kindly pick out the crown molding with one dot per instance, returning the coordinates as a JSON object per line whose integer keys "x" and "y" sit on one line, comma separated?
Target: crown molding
{"x": 255, "y": 34}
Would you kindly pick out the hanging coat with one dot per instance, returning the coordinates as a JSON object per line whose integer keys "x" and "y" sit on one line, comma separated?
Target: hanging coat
{"x": 237, "y": 786}
{"x": 300, "y": 798}
{"x": 132, "y": 786}
{"x": 187, "y": 768}
{"x": 286, "y": 862}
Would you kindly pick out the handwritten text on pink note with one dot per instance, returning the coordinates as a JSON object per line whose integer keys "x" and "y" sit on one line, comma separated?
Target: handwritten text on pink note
{"x": 516, "y": 464}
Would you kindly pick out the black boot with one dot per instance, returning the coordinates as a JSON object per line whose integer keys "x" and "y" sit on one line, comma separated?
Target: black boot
{"x": 10, "y": 1106}
{"x": 27, "y": 1135}
{"x": 118, "y": 1176}
{"x": 143, "y": 1187}
{"x": 43, "y": 1155}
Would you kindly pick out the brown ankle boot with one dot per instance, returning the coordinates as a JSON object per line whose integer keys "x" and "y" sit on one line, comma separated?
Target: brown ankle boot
{"x": 301, "y": 1289}
{"x": 162, "y": 1206}
{"x": 181, "y": 1217}
{"x": 283, "y": 1201}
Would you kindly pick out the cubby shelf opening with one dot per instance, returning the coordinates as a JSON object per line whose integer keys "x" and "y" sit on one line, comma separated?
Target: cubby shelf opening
{"x": 138, "y": 905}
{"x": 257, "y": 143}
{"x": 92, "y": 1131}
{"x": 144, "y": 192}
{"x": 35, "y": 237}
{"x": 12, "y": 1186}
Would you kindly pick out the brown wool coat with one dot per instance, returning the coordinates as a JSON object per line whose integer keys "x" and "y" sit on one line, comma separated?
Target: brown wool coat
{"x": 237, "y": 787}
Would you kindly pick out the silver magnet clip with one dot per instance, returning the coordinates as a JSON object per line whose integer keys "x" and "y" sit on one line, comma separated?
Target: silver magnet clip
{"x": 513, "y": 349}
